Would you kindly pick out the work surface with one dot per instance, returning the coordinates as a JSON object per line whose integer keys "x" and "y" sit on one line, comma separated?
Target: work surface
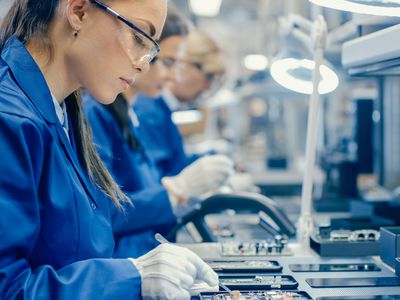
{"x": 305, "y": 256}
{"x": 245, "y": 228}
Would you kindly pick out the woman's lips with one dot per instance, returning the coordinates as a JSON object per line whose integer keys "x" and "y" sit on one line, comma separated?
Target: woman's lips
{"x": 126, "y": 82}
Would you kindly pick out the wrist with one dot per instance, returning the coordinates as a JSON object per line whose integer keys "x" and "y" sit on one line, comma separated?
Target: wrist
{"x": 134, "y": 263}
{"x": 175, "y": 194}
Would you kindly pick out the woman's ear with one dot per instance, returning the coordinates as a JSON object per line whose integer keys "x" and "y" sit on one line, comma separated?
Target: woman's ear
{"x": 76, "y": 13}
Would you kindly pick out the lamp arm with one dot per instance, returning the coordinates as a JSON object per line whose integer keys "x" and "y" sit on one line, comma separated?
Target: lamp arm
{"x": 305, "y": 221}
{"x": 301, "y": 22}
{"x": 302, "y": 28}
{"x": 304, "y": 39}
{"x": 319, "y": 33}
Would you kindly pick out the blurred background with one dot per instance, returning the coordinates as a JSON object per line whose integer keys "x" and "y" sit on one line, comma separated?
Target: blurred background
{"x": 263, "y": 125}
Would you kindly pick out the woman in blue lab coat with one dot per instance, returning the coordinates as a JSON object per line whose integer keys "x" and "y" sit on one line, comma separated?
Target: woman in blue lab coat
{"x": 198, "y": 71}
{"x": 56, "y": 197}
{"x": 122, "y": 147}
{"x": 200, "y": 68}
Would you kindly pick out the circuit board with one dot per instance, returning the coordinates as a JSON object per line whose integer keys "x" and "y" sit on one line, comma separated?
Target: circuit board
{"x": 256, "y": 295}
{"x": 276, "y": 247}
{"x": 364, "y": 235}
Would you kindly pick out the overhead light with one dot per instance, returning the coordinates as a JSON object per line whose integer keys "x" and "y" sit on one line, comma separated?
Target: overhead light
{"x": 296, "y": 75}
{"x": 294, "y": 64}
{"x": 186, "y": 117}
{"x": 389, "y": 8}
{"x": 256, "y": 62}
{"x": 205, "y": 8}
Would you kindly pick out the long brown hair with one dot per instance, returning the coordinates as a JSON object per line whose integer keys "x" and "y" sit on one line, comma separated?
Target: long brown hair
{"x": 30, "y": 19}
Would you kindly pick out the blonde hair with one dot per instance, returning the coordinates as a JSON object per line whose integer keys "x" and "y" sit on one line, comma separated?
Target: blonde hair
{"x": 202, "y": 50}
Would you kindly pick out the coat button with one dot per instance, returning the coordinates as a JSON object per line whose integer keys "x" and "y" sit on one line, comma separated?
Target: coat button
{"x": 93, "y": 205}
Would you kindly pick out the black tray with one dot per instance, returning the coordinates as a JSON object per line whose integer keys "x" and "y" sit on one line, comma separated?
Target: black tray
{"x": 344, "y": 248}
{"x": 353, "y": 282}
{"x": 225, "y": 295}
{"x": 245, "y": 266}
{"x": 384, "y": 297}
{"x": 258, "y": 282}
{"x": 359, "y": 267}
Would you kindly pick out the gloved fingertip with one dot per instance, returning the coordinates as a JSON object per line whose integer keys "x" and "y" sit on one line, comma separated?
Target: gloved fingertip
{"x": 211, "y": 278}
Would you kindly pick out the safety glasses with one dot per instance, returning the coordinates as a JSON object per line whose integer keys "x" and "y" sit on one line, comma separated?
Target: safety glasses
{"x": 140, "y": 45}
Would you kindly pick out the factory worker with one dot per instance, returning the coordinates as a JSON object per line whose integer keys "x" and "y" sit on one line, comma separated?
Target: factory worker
{"x": 56, "y": 197}
{"x": 122, "y": 147}
{"x": 201, "y": 64}
{"x": 196, "y": 73}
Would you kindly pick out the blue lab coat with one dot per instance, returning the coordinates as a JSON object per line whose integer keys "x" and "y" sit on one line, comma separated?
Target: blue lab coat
{"x": 163, "y": 140}
{"x": 138, "y": 177}
{"x": 56, "y": 236}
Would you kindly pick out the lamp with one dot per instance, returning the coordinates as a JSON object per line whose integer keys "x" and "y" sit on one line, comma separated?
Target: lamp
{"x": 389, "y": 8}
{"x": 293, "y": 66}
{"x": 296, "y": 75}
{"x": 306, "y": 76}
{"x": 205, "y": 8}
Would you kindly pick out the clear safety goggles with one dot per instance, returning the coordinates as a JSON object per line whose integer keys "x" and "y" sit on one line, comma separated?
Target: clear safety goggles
{"x": 140, "y": 46}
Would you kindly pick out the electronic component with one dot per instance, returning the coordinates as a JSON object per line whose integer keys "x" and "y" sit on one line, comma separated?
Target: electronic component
{"x": 276, "y": 247}
{"x": 353, "y": 282}
{"x": 345, "y": 243}
{"x": 256, "y": 295}
{"x": 355, "y": 236}
{"x": 254, "y": 266}
{"x": 339, "y": 235}
{"x": 251, "y": 282}
{"x": 223, "y": 231}
{"x": 334, "y": 267}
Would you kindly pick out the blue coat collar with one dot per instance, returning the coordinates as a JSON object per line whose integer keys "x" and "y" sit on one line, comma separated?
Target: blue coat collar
{"x": 29, "y": 77}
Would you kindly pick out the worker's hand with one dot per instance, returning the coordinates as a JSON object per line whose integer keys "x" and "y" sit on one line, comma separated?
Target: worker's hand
{"x": 206, "y": 174}
{"x": 242, "y": 182}
{"x": 169, "y": 272}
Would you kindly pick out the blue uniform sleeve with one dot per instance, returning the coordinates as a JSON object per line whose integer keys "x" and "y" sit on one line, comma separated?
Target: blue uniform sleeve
{"x": 152, "y": 209}
{"x": 90, "y": 279}
{"x": 22, "y": 147}
{"x": 151, "y": 206}
{"x": 178, "y": 159}
{"x": 165, "y": 141}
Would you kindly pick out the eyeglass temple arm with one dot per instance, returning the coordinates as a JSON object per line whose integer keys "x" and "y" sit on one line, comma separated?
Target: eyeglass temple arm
{"x": 130, "y": 24}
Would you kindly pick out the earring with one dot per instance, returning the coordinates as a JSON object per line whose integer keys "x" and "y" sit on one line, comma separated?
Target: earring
{"x": 75, "y": 33}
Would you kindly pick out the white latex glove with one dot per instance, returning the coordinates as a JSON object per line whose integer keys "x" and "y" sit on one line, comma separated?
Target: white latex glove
{"x": 204, "y": 175}
{"x": 242, "y": 182}
{"x": 169, "y": 272}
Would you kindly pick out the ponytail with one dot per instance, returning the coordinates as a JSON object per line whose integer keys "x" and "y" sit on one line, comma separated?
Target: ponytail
{"x": 119, "y": 109}
{"x": 89, "y": 156}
